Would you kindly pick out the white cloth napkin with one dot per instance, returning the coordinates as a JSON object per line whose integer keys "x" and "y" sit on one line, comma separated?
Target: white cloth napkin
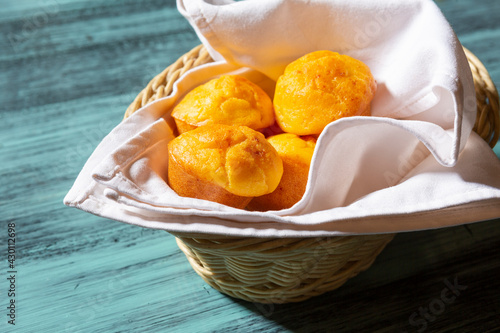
{"x": 413, "y": 165}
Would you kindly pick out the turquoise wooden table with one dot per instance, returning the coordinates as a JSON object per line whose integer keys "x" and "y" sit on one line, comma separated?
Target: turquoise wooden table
{"x": 69, "y": 69}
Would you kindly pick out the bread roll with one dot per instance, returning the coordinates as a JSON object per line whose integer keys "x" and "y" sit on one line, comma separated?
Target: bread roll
{"x": 296, "y": 153}
{"x": 319, "y": 88}
{"x": 229, "y": 100}
{"x": 224, "y": 164}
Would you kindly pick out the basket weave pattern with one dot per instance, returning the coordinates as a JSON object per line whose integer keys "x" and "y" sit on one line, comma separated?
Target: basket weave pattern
{"x": 281, "y": 270}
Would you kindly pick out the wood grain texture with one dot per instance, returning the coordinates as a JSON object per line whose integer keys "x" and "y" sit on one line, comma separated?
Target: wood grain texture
{"x": 69, "y": 69}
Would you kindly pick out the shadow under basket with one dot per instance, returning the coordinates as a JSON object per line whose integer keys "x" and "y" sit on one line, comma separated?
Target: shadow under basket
{"x": 282, "y": 270}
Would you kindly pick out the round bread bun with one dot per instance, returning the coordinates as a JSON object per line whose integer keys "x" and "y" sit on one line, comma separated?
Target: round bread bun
{"x": 296, "y": 153}
{"x": 229, "y": 100}
{"x": 319, "y": 88}
{"x": 224, "y": 164}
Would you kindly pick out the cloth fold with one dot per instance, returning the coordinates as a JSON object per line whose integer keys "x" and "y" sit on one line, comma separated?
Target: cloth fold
{"x": 413, "y": 165}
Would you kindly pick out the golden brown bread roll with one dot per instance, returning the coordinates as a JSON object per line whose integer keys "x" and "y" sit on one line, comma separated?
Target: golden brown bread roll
{"x": 296, "y": 153}
{"x": 229, "y": 100}
{"x": 319, "y": 88}
{"x": 222, "y": 163}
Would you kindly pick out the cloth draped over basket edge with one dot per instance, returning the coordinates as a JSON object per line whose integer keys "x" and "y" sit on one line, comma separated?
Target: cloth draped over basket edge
{"x": 419, "y": 183}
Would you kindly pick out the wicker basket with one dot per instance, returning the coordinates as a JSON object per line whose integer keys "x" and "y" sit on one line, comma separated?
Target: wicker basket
{"x": 281, "y": 270}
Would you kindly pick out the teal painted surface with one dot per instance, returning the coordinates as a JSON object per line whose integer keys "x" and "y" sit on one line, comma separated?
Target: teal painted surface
{"x": 68, "y": 71}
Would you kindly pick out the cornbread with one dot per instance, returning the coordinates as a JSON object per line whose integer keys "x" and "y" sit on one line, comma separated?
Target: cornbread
{"x": 223, "y": 163}
{"x": 229, "y": 100}
{"x": 319, "y": 88}
{"x": 296, "y": 153}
